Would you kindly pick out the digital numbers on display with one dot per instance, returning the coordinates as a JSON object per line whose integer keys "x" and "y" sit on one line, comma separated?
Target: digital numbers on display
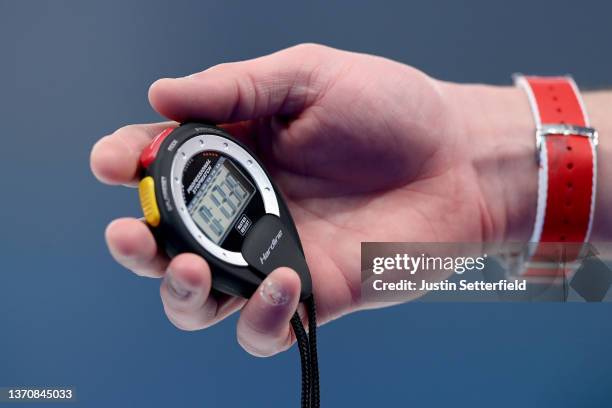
{"x": 220, "y": 200}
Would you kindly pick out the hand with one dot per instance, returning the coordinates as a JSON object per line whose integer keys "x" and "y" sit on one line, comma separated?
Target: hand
{"x": 364, "y": 149}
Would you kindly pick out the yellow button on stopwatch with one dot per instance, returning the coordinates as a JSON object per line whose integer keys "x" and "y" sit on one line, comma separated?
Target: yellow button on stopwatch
{"x": 146, "y": 192}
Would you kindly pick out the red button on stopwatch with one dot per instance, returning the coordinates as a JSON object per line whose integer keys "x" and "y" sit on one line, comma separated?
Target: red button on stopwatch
{"x": 150, "y": 152}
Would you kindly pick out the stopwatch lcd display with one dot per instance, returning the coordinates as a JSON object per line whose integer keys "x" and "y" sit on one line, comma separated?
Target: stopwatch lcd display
{"x": 217, "y": 193}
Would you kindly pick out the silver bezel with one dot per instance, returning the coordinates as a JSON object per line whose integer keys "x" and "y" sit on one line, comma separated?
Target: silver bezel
{"x": 222, "y": 145}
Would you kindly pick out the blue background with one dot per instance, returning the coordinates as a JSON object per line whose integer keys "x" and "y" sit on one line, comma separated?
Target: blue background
{"x": 73, "y": 71}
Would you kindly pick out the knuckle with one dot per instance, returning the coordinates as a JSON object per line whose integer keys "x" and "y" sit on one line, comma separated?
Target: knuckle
{"x": 309, "y": 48}
{"x": 124, "y": 130}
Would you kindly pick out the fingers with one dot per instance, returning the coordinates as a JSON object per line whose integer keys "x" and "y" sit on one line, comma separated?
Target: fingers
{"x": 263, "y": 327}
{"x": 132, "y": 245}
{"x": 185, "y": 293}
{"x": 114, "y": 158}
{"x": 282, "y": 83}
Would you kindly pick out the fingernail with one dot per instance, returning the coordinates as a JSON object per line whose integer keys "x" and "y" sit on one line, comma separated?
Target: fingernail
{"x": 177, "y": 289}
{"x": 273, "y": 293}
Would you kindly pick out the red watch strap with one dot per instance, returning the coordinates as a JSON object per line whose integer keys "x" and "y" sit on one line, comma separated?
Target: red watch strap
{"x": 557, "y": 100}
{"x": 567, "y": 173}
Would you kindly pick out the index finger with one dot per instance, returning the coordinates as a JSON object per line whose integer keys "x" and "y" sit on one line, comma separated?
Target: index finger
{"x": 114, "y": 158}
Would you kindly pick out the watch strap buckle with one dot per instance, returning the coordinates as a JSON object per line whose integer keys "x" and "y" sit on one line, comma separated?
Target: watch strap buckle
{"x": 563, "y": 129}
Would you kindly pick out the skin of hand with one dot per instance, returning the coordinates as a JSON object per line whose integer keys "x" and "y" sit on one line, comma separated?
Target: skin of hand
{"x": 363, "y": 149}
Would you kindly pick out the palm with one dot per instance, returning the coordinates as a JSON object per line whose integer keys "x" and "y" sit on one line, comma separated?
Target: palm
{"x": 336, "y": 179}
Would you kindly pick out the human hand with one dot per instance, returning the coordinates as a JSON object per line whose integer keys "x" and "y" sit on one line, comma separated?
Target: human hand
{"x": 363, "y": 148}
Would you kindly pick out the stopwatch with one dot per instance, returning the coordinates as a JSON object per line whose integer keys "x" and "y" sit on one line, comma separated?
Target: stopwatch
{"x": 202, "y": 191}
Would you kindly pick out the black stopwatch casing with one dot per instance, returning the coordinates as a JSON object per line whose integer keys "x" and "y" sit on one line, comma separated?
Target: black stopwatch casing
{"x": 240, "y": 225}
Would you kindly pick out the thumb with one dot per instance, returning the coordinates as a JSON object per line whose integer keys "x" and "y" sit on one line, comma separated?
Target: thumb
{"x": 263, "y": 326}
{"x": 283, "y": 83}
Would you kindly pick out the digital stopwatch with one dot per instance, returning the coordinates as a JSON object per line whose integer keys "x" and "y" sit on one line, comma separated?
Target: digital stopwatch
{"x": 202, "y": 191}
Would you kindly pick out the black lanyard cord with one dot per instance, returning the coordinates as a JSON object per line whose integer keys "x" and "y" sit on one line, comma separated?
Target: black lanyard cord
{"x": 307, "y": 344}
{"x": 314, "y": 359}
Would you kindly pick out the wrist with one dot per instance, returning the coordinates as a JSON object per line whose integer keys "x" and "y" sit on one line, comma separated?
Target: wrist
{"x": 499, "y": 131}
{"x": 498, "y": 127}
